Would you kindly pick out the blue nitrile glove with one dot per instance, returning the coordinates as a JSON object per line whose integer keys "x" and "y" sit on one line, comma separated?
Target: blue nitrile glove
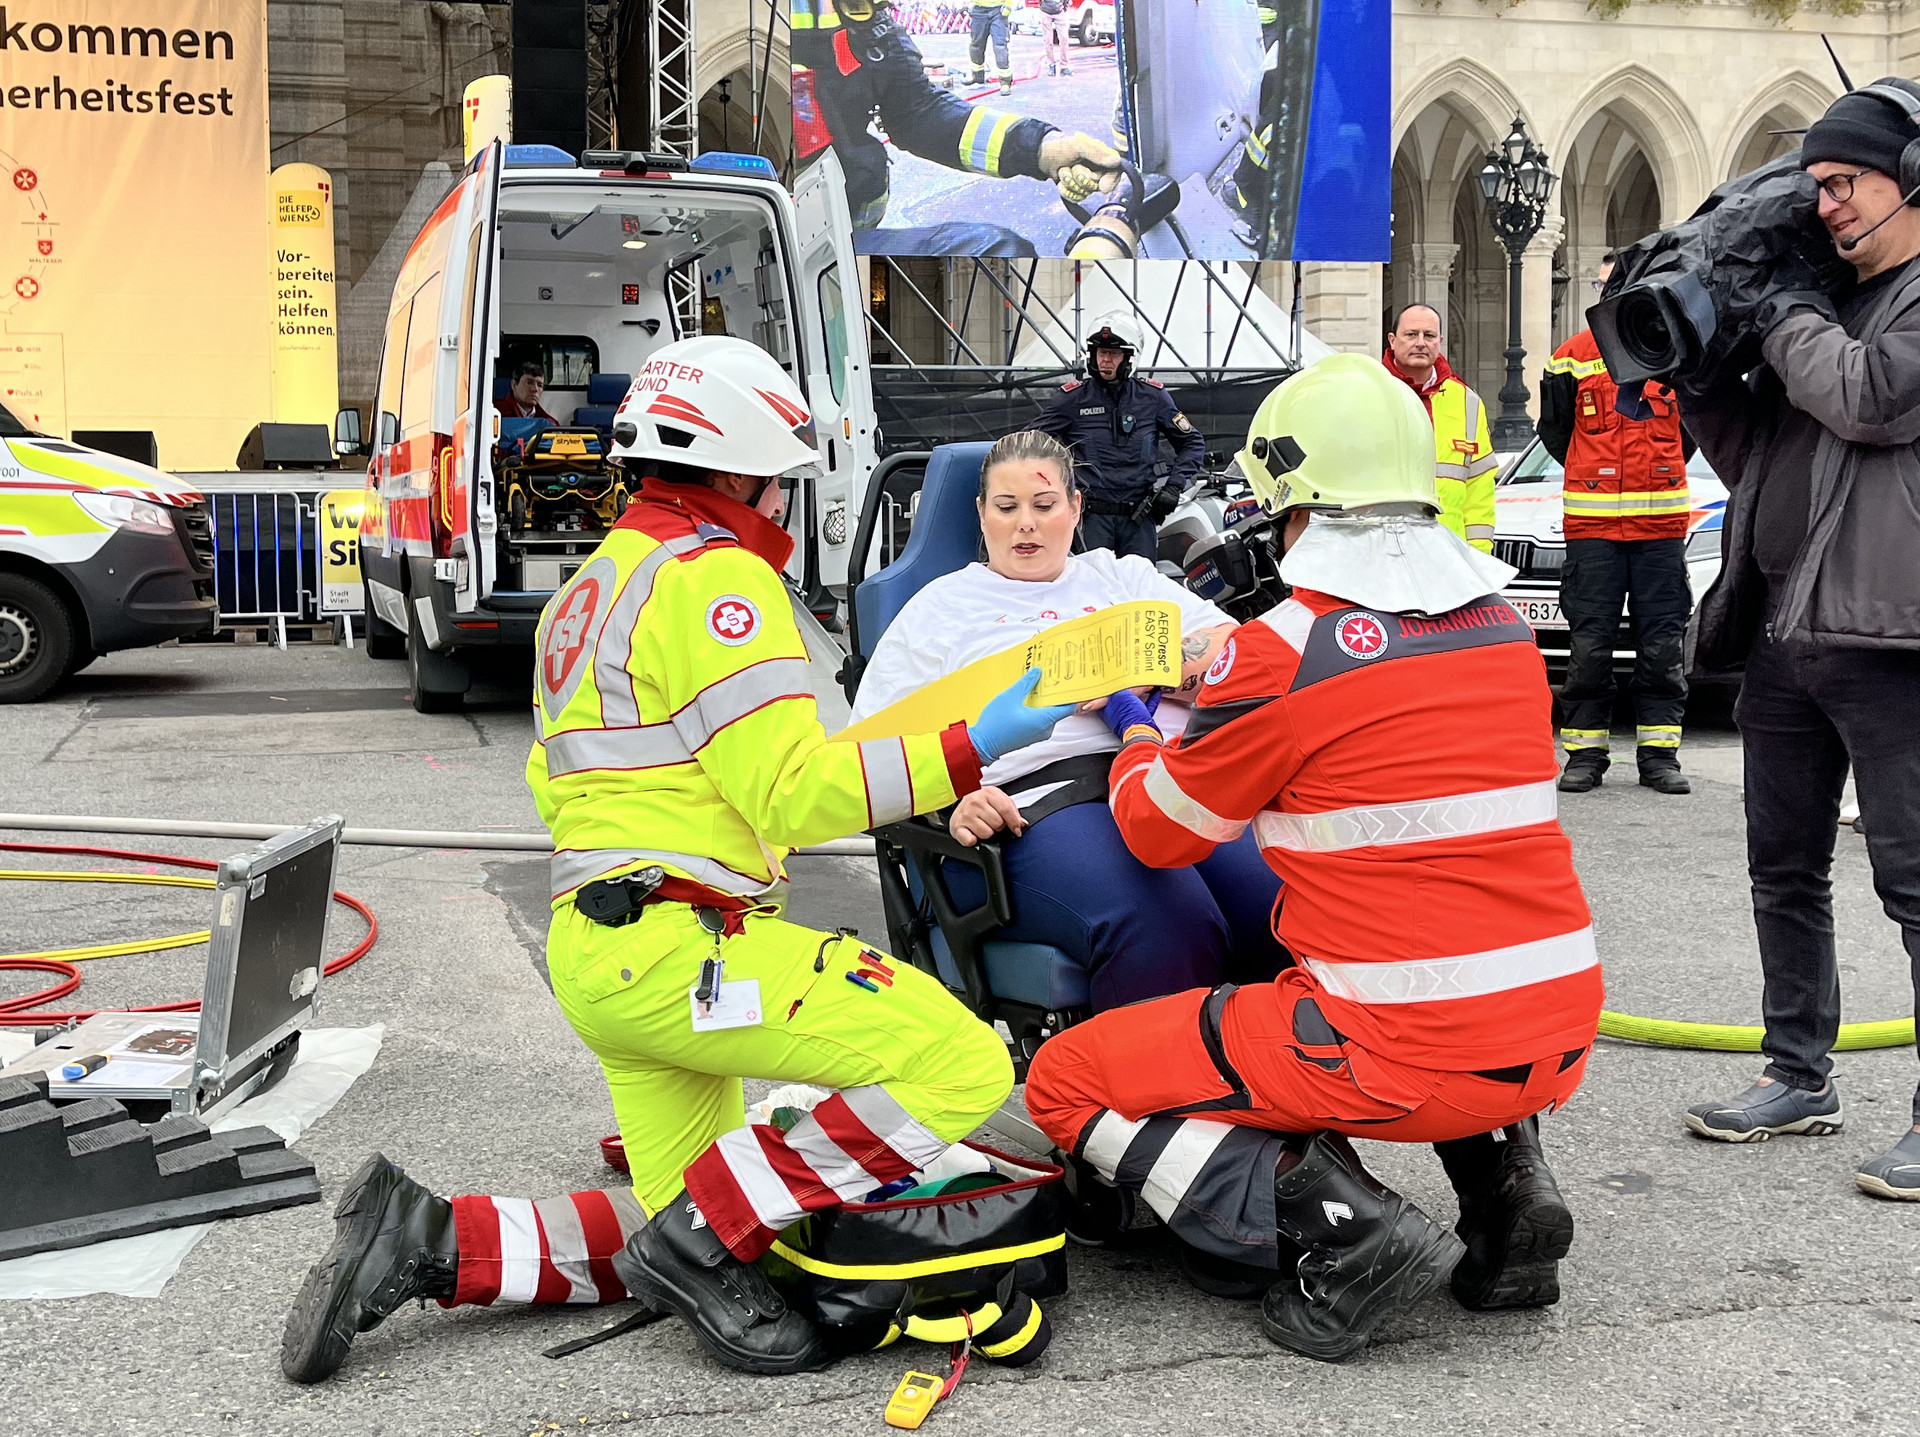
{"x": 1126, "y": 712}
{"x": 1007, "y": 723}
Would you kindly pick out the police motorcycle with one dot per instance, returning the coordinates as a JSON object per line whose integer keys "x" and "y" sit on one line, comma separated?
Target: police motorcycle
{"x": 1223, "y": 546}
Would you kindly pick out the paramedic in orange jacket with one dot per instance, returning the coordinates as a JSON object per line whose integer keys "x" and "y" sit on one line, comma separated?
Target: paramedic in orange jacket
{"x": 1447, "y": 985}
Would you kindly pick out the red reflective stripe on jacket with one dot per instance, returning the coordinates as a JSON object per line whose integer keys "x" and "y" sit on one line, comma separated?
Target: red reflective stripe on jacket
{"x": 1326, "y": 706}
{"x": 1609, "y": 454}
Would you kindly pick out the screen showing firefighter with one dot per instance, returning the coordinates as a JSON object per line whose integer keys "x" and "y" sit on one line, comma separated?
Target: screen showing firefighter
{"x": 1164, "y": 129}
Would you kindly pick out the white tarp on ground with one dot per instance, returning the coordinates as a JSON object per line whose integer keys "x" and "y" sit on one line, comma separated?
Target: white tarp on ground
{"x": 1197, "y": 318}
{"x": 330, "y": 1059}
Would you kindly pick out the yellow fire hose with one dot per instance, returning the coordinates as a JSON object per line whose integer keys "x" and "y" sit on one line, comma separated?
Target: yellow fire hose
{"x": 107, "y": 950}
{"x": 1657, "y": 1032}
{"x": 1734, "y": 1038}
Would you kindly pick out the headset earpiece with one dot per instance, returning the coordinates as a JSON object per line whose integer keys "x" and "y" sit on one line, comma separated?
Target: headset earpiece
{"x": 1904, "y": 96}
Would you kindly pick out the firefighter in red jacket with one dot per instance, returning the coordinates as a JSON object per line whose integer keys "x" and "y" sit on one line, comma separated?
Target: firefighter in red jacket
{"x": 1447, "y": 988}
{"x": 1626, "y": 514}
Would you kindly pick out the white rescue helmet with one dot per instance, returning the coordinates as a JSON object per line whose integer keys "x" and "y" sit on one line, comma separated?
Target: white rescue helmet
{"x": 1115, "y": 331}
{"x": 716, "y": 403}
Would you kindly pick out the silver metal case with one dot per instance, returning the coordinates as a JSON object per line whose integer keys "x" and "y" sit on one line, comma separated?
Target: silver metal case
{"x": 267, "y": 954}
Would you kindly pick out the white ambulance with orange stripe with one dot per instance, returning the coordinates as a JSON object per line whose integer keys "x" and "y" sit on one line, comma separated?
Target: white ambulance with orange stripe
{"x": 97, "y": 553}
{"x": 474, "y": 518}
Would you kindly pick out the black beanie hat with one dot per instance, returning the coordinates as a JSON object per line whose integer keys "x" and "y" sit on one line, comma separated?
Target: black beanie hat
{"x": 1860, "y": 129}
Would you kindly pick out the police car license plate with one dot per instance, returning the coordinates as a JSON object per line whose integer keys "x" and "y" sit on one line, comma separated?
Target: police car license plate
{"x": 1540, "y": 613}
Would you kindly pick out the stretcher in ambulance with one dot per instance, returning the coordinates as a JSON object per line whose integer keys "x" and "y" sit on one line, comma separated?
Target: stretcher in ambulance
{"x": 472, "y": 519}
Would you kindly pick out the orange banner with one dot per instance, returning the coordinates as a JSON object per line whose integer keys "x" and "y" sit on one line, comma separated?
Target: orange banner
{"x": 134, "y": 259}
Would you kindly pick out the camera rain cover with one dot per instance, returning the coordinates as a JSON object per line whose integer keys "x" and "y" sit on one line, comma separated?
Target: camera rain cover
{"x": 1677, "y": 304}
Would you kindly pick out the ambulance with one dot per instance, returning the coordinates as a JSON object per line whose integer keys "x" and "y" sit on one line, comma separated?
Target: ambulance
{"x": 585, "y": 269}
{"x": 97, "y": 553}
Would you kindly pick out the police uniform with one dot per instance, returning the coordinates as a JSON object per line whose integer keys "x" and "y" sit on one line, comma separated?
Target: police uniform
{"x": 1114, "y": 431}
{"x": 846, "y": 69}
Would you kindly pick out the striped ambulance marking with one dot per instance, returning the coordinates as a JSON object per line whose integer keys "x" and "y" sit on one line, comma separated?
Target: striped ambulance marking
{"x": 1384, "y": 824}
{"x": 1470, "y": 975}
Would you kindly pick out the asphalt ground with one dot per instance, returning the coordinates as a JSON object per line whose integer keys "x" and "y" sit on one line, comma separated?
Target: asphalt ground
{"x": 925, "y": 192}
{"x": 1710, "y": 1289}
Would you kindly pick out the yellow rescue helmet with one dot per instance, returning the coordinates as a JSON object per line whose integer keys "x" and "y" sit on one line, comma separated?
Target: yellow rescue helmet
{"x": 1343, "y": 434}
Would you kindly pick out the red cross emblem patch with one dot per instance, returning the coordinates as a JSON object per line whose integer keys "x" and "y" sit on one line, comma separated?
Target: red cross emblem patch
{"x": 1361, "y": 636}
{"x": 568, "y": 634}
{"x": 732, "y": 620}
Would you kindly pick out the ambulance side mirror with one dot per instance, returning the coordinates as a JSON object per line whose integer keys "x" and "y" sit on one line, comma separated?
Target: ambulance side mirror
{"x": 346, "y": 432}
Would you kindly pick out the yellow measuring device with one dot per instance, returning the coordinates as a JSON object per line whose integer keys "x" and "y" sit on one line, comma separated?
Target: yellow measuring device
{"x": 914, "y": 1399}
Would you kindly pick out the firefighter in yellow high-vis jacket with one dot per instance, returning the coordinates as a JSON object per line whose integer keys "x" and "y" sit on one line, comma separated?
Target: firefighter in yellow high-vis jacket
{"x": 678, "y": 758}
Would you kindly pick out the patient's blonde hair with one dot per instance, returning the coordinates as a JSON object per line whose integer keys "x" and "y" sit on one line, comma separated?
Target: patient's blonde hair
{"x": 1027, "y": 446}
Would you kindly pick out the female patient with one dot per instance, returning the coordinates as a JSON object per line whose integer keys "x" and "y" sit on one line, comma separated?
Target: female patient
{"x": 1140, "y": 932}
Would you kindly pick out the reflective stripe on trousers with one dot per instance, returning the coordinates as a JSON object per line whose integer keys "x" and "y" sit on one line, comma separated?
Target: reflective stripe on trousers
{"x": 1379, "y": 825}
{"x": 1469, "y": 975}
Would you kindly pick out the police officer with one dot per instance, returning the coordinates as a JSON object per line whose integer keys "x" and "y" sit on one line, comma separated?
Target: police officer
{"x": 852, "y": 58}
{"x": 678, "y": 758}
{"x": 1113, "y": 422}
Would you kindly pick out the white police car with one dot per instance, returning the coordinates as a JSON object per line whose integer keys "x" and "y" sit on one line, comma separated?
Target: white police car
{"x": 1527, "y": 533}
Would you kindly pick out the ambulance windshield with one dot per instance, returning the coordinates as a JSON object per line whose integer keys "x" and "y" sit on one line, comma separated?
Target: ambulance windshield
{"x": 11, "y": 427}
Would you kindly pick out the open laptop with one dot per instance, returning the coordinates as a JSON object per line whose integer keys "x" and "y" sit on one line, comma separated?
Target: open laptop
{"x": 265, "y": 958}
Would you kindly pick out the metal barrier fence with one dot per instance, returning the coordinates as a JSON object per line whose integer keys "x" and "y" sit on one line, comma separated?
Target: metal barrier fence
{"x": 266, "y": 548}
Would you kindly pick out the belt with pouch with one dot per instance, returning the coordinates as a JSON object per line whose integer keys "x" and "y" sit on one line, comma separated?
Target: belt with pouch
{"x": 616, "y": 902}
{"x": 1113, "y": 508}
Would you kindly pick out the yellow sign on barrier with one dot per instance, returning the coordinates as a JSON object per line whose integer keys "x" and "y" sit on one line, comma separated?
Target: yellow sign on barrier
{"x": 1129, "y": 646}
{"x": 341, "y": 591}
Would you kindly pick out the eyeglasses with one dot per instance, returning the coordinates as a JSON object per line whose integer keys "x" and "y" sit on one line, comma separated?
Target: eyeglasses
{"x": 1839, "y": 188}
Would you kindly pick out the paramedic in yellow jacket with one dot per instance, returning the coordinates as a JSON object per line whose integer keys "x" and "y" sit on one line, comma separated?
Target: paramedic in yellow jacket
{"x": 1464, "y": 464}
{"x": 678, "y": 758}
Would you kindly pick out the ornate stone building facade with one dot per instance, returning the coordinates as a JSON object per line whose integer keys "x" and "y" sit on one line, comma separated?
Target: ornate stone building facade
{"x": 370, "y": 91}
{"x": 1642, "y": 112}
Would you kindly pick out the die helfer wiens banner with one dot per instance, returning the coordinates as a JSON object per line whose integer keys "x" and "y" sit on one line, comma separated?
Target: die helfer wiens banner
{"x": 1254, "y": 129}
{"x": 136, "y": 277}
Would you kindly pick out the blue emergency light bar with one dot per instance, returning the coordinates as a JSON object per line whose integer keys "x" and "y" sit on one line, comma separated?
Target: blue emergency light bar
{"x": 538, "y": 155}
{"x": 729, "y": 163}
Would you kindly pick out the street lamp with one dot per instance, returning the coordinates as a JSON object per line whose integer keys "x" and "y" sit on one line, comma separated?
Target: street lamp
{"x": 726, "y": 112}
{"x": 1516, "y": 184}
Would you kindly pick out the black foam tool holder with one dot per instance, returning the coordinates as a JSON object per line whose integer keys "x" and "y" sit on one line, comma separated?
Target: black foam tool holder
{"x": 84, "y": 1172}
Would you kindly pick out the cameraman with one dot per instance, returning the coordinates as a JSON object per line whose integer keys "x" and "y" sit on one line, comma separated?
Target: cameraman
{"x": 1820, "y": 597}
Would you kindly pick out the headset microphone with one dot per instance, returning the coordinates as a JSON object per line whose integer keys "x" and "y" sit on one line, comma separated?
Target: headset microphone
{"x": 1853, "y": 242}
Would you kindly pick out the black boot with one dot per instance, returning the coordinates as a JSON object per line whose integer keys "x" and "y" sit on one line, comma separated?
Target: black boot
{"x": 1512, "y": 1218}
{"x": 393, "y": 1241}
{"x": 676, "y": 1264}
{"x": 1660, "y": 771}
{"x": 1583, "y": 770}
{"x": 1099, "y": 1213}
{"x": 1224, "y": 1277}
{"x": 1370, "y": 1252}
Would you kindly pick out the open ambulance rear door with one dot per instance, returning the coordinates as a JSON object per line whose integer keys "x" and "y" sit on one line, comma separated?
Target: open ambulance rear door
{"x": 839, "y": 379}
{"x": 468, "y": 495}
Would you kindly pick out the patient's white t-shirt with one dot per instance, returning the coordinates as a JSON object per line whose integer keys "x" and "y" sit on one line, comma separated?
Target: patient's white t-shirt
{"x": 973, "y": 612}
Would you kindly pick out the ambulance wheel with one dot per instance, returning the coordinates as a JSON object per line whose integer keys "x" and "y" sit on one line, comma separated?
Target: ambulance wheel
{"x": 439, "y": 681}
{"x": 36, "y": 639}
{"x": 384, "y": 641}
